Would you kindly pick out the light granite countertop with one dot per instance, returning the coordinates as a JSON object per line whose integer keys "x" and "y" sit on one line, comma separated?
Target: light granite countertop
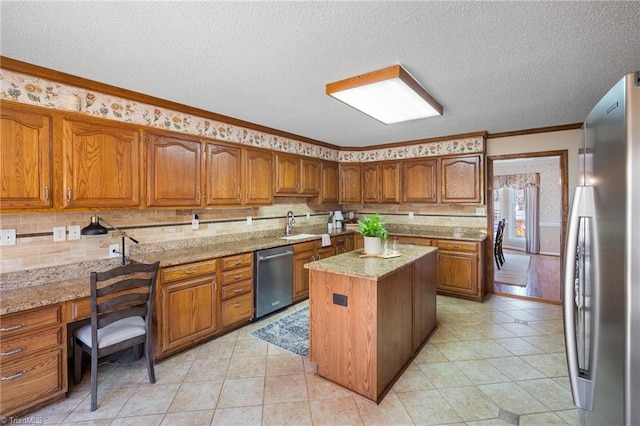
{"x": 373, "y": 268}
{"x": 29, "y": 289}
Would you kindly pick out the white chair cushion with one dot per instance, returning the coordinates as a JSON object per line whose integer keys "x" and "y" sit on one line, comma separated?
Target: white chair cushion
{"x": 116, "y": 332}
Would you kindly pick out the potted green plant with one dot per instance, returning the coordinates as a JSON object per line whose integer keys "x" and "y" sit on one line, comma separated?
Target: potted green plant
{"x": 374, "y": 233}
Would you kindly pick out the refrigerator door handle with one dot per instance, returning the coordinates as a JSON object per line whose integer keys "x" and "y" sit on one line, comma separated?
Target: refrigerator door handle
{"x": 582, "y": 207}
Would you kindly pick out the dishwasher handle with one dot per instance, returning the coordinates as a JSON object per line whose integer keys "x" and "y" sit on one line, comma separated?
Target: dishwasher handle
{"x": 286, "y": 253}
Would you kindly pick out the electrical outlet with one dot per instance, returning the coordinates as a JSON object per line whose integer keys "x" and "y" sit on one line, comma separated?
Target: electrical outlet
{"x": 411, "y": 215}
{"x": 308, "y": 215}
{"x": 59, "y": 233}
{"x": 195, "y": 222}
{"x": 8, "y": 237}
{"x": 249, "y": 221}
{"x": 74, "y": 232}
{"x": 480, "y": 211}
{"x": 114, "y": 250}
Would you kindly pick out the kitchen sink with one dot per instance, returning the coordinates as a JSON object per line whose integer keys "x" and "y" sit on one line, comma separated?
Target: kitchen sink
{"x": 298, "y": 236}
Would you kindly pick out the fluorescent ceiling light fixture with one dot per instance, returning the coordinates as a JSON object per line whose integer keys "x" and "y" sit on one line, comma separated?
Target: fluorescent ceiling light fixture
{"x": 389, "y": 95}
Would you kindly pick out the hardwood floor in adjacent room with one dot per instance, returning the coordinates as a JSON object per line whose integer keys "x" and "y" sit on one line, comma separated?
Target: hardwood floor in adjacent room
{"x": 543, "y": 280}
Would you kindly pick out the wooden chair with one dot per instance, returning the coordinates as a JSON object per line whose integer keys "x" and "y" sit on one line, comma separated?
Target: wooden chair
{"x": 121, "y": 313}
{"x": 497, "y": 244}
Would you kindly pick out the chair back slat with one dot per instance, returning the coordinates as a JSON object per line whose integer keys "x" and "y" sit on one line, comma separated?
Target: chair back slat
{"x": 124, "y": 285}
{"x": 133, "y": 311}
{"x": 122, "y": 302}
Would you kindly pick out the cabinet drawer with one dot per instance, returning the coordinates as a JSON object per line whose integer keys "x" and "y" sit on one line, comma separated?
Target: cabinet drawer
{"x": 234, "y": 276}
{"x": 237, "y": 261}
{"x": 21, "y": 346}
{"x": 30, "y": 380}
{"x": 238, "y": 289}
{"x": 237, "y": 309}
{"x": 418, "y": 241}
{"x": 176, "y": 273}
{"x": 307, "y": 246}
{"x": 14, "y": 324}
{"x": 451, "y": 245}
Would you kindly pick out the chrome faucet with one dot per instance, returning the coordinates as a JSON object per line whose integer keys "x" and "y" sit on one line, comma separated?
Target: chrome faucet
{"x": 291, "y": 219}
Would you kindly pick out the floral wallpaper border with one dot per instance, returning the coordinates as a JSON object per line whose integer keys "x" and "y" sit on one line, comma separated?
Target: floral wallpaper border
{"x": 27, "y": 89}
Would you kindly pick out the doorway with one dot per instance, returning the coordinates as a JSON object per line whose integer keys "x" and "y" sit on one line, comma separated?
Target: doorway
{"x": 530, "y": 192}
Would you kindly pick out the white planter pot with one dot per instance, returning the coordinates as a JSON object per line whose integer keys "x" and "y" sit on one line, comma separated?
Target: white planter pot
{"x": 372, "y": 245}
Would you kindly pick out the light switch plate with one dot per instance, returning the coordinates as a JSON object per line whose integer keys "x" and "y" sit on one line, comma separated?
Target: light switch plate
{"x": 74, "y": 232}
{"x": 411, "y": 215}
{"x": 480, "y": 211}
{"x": 8, "y": 237}
{"x": 308, "y": 215}
{"x": 59, "y": 233}
{"x": 249, "y": 221}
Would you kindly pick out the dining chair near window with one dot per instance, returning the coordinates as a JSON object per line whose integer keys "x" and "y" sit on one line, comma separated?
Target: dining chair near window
{"x": 121, "y": 313}
{"x": 497, "y": 244}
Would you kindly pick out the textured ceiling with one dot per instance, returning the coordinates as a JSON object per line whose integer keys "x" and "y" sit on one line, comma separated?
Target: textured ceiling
{"x": 496, "y": 66}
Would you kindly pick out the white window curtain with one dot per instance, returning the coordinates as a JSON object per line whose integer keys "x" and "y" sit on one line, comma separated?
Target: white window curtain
{"x": 531, "y": 184}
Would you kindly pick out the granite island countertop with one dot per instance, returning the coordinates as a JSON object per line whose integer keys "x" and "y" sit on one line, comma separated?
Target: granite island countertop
{"x": 374, "y": 268}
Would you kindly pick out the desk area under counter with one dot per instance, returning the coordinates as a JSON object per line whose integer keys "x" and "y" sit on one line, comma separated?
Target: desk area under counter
{"x": 369, "y": 317}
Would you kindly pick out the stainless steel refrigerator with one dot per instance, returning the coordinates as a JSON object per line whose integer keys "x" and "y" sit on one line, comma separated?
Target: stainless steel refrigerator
{"x": 601, "y": 273}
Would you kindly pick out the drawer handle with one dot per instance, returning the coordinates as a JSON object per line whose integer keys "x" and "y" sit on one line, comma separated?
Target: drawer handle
{"x": 237, "y": 277}
{"x": 238, "y": 262}
{"x": 456, "y": 246}
{"x": 14, "y": 376}
{"x": 237, "y": 305}
{"x": 191, "y": 271}
{"x": 15, "y": 327}
{"x": 13, "y": 352}
{"x": 237, "y": 290}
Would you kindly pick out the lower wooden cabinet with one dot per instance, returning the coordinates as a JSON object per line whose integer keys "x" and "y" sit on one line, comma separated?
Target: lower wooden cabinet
{"x": 302, "y": 253}
{"x": 237, "y": 289}
{"x": 188, "y": 308}
{"x": 461, "y": 268}
{"x": 32, "y": 360}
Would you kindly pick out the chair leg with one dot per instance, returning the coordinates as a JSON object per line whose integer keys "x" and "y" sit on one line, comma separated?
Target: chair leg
{"x": 94, "y": 381}
{"x": 149, "y": 358}
{"x": 77, "y": 362}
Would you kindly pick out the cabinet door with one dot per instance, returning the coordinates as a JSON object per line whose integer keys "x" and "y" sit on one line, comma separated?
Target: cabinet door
{"x": 25, "y": 163}
{"x": 189, "y": 312}
{"x": 462, "y": 179}
{"x": 301, "y": 275}
{"x": 309, "y": 176}
{"x": 287, "y": 174}
{"x": 329, "y": 192}
{"x": 258, "y": 177}
{"x": 343, "y": 243}
{"x": 390, "y": 182}
{"x": 350, "y": 183}
{"x": 101, "y": 165}
{"x": 324, "y": 252}
{"x": 457, "y": 273}
{"x": 371, "y": 183}
{"x": 175, "y": 171}
{"x": 419, "y": 177}
{"x": 223, "y": 175}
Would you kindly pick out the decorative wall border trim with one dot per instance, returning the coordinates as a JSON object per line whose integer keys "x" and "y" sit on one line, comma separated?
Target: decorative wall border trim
{"x": 34, "y": 90}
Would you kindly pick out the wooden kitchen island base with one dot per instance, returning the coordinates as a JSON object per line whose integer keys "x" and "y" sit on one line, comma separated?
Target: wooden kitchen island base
{"x": 369, "y": 317}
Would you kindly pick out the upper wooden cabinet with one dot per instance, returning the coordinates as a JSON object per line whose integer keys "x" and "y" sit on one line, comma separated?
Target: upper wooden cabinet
{"x": 350, "y": 183}
{"x": 462, "y": 179}
{"x": 419, "y": 178}
{"x": 258, "y": 177}
{"x": 381, "y": 182}
{"x": 223, "y": 165}
{"x": 174, "y": 171}
{"x": 330, "y": 187}
{"x": 101, "y": 167}
{"x": 295, "y": 175}
{"x": 26, "y": 160}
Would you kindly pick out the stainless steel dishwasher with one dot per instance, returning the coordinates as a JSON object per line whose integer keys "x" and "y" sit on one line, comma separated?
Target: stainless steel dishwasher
{"x": 273, "y": 279}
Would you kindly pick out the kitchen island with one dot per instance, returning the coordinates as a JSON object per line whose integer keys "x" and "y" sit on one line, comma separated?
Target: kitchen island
{"x": 369, "y": 317}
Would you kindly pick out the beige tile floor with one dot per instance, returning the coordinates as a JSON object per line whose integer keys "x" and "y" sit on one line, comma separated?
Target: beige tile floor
{"x": 495, "y": 363}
